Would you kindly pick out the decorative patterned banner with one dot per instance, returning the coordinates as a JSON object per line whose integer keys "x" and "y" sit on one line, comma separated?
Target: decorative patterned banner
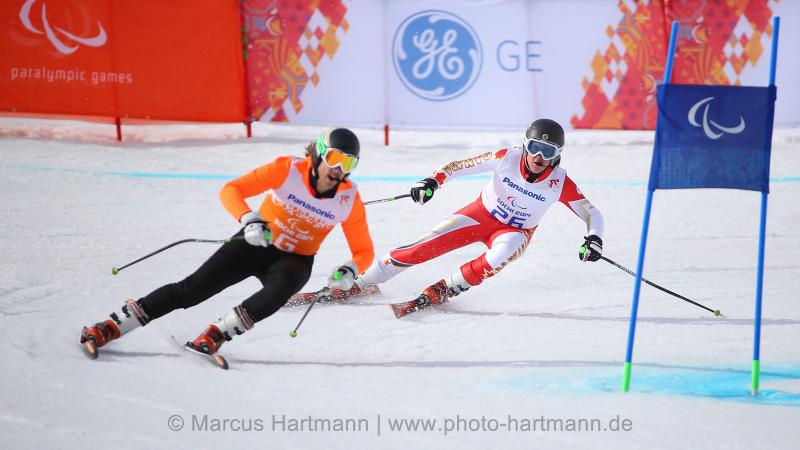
{"x": 716, "y": 41}
{"x": 620, "y": 92}
{"x": 286, "y": 41}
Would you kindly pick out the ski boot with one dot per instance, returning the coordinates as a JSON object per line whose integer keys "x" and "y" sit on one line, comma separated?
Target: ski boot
{"x": 209, "y": 341}
{"x": 236, "y": 322}
{"x": 433, "y": 295}
{"x": 98, "y": 335}
{"x": 130, "y": 317}
{"x": 206, "y": 346}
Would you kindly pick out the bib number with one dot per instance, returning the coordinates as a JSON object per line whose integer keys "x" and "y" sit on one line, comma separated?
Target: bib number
{"x": 285, "y": 242}
{"x": 503, "y": 216}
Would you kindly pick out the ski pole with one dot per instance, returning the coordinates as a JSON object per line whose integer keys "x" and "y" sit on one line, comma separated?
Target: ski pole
{"x": 629, "y": 272}
{"x": 115, "y": 270}
{"x": 428, "y": 193}
{"x": 385, "y": 200}
{"x": 319, "y": 295}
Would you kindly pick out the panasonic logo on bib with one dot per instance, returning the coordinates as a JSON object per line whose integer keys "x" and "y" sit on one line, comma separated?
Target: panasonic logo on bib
{"x": 522, "y": 190}
{"x": 314, "y": 209}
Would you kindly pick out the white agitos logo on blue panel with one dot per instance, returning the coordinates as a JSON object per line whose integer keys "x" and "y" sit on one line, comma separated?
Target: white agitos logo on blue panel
{"x": 712, "y": 129}
{"x": 436, "y": 54}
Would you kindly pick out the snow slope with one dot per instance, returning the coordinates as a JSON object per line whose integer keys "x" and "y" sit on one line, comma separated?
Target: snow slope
{"x": 539, "y": 345}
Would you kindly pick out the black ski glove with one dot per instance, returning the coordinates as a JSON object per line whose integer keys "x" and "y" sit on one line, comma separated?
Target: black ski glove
{"x": 422, "y": 191}
{"x": 591, "y": 249}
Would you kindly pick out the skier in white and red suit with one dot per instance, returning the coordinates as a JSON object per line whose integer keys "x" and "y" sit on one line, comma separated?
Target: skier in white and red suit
{"x": 526, "y": 180}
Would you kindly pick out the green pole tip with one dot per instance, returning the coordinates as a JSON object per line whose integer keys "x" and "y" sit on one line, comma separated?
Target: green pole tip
{"x": 429, "y": 192}
{"x": 114, "y": 271}
{"x": 293, "y": 333}
{"x": 756, "y": 373}
{"x": 717, "y": 313}
{"x": 626, "y": 377}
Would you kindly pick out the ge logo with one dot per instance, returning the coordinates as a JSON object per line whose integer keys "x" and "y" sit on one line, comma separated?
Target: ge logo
{"x": 436, "y": 55}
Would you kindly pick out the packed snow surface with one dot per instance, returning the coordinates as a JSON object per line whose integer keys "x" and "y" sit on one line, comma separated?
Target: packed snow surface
{"x": 532, "y": 358}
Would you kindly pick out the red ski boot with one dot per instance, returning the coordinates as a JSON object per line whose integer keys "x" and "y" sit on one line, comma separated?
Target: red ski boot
{"x": 209, "y": 341}
{"x": 433, "y": 295}
{"x": 129, "y": 317}
{"x": 98, "y": 335}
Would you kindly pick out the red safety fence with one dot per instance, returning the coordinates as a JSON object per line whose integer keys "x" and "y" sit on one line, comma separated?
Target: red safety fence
{"x": 171, "y": 60}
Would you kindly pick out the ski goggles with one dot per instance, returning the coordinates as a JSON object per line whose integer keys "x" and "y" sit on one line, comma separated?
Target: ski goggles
{"x": 333, "y": 157}
{"x": 535, "y": 147}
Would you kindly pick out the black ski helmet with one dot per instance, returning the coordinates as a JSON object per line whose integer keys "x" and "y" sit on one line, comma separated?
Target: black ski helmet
{"x": 339, "y": 138}
{"x": 549, "y": 131}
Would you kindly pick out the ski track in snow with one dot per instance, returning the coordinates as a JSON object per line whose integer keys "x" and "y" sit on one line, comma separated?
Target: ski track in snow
{"x": 544, "y": 338}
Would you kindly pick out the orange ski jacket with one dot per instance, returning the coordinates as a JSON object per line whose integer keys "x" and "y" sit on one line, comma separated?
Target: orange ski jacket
{"x": 298, "y": 220}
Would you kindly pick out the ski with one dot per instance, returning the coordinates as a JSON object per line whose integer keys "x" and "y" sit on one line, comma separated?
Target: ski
{"x": 403, "y": 309}
{"x": 304, "y": 298}
{"x": 216, "y": 359}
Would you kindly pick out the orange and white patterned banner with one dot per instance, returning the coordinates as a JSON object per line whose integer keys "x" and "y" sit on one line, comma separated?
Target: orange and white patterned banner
{"x": 285, "y": 44}
{"x": 717, "y": 43}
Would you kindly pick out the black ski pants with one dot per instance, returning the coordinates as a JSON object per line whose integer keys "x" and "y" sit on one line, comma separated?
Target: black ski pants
{"x": 282, "y": 275}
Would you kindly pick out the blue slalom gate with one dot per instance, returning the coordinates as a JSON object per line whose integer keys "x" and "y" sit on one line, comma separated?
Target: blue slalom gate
{"x": 710, "y": 137}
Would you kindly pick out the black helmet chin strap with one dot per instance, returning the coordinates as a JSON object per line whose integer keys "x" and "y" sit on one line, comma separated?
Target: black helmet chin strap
{"x": 313, "y": 174}
{"x": 313, "y": 178}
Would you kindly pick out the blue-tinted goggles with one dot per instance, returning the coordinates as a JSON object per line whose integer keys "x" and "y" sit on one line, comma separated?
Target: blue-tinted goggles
{"x": 536, "y": 147}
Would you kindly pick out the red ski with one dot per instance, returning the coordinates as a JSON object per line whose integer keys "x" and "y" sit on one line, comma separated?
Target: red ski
{"x": 304, "y": 298}
{"x": 403, "y": 309}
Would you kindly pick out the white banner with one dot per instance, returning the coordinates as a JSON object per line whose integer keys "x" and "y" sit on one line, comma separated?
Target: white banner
{"x": 498, "y": 64}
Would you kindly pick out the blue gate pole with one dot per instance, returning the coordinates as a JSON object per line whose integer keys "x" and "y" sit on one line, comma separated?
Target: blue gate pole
{"x": 756, "y": 370}
{"x": 762, "y": 230}
{"x": 626, "y": 377}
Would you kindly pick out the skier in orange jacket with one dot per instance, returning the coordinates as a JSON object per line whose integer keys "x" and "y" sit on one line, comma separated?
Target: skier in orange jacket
{"x": 306, "y": 198}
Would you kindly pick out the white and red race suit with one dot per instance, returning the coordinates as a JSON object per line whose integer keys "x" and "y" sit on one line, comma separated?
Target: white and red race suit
{"x": 503, "y": 218}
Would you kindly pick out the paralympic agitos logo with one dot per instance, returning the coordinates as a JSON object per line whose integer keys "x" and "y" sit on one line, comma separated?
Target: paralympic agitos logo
{"x": 514, "y": 202}
{"x": 712, "y": 129}
{"x": 65, "y": 41}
